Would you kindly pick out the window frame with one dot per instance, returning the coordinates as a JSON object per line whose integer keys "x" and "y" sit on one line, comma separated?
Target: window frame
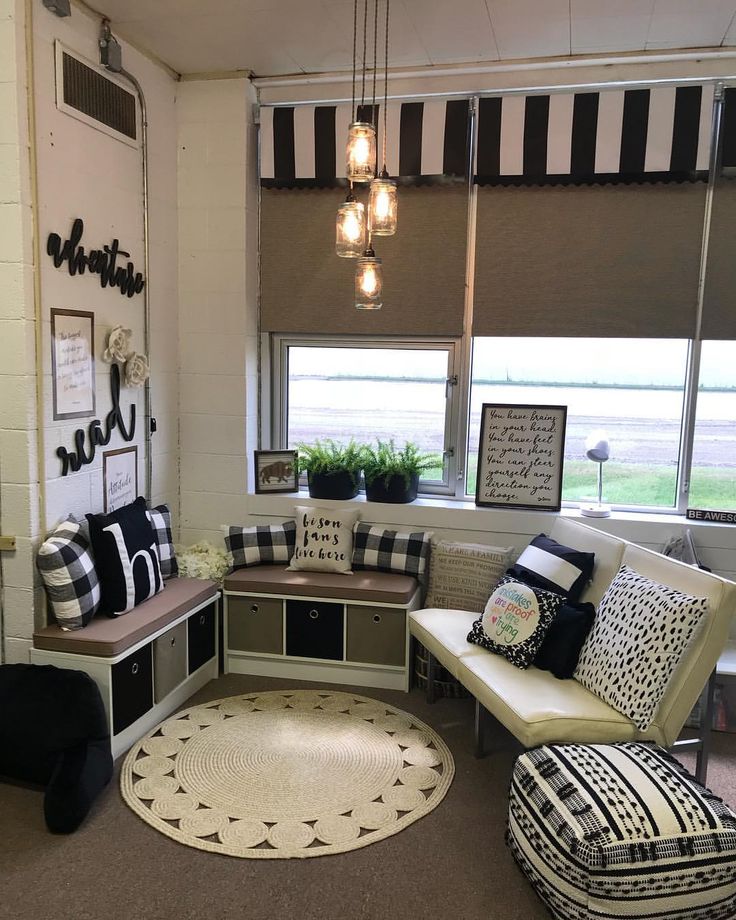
{"x": 277, "y": 398}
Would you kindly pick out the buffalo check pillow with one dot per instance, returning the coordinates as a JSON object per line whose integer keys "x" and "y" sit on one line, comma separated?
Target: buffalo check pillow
{"x": 265, "y": 544}
{"x": 160, "y": 518}
{"x": 391, "y": 550}
{"x": 68, "y": 572}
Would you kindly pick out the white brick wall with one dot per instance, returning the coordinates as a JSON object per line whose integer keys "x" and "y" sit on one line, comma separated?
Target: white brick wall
{"x": 83, "y": 173}
{"x": 218, "y": 211}
{"x": 19, "y": 513}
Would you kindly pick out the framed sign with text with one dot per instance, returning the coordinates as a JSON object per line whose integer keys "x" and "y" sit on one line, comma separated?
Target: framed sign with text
{"x": 120, "y": 477}
{"x": 73, "y": 363}
{"x": 520, "y": 456}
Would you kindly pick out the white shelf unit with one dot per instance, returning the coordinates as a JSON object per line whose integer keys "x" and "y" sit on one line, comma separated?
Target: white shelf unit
{"x": 363, "y": 643}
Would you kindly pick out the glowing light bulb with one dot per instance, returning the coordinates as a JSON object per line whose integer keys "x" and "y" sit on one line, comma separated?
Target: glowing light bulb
{"x": 352, "y": 228}
{"x": 369, "y": 282}
{"x": 361, "y": 151}
{"x": 382, "y": 205}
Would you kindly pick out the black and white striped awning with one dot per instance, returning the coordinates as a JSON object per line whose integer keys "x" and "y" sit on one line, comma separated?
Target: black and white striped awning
{"x": 637, "y": 135}
{"x": 303, "y": 146}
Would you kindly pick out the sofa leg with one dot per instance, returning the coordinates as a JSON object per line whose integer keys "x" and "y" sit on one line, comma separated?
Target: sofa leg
{"x": 706, "y": 730}
{"x": 431, "y": 660}
{"x": 480, "y": 720}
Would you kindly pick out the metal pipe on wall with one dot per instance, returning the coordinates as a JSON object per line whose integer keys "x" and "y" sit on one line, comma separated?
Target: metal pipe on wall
{"x": 107, "y": 61}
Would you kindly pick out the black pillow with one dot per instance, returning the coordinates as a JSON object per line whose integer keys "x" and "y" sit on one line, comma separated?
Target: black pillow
{"x": 126, "y": 557}
{"x": 564, "y": 640}
{"x": 547, "y": 564}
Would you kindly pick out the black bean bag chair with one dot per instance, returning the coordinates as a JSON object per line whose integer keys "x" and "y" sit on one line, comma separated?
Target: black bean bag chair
{"x": 53, "y": 731}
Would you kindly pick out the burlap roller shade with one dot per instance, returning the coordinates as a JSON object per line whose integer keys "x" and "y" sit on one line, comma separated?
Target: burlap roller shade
{"x": 719, "y": 301}
{"x": 618, "y": 261}
{"x": 306, "y": 288}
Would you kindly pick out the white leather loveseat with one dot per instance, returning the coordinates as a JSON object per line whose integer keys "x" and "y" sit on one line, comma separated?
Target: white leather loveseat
{"x": 535, "y": 706}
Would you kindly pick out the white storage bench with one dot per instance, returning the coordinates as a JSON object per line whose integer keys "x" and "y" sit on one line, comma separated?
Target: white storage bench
{"x": 146, "y": 662}
{"x": 347, "y": 629}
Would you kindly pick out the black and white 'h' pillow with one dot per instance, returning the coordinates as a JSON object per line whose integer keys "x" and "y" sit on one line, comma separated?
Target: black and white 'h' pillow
{"x": 160, "y": 518}
{"x": 126, "y": 557}
{"x": 68, "y": 572}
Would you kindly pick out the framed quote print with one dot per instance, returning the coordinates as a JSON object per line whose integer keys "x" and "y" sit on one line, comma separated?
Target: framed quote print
{"x": 120, "y": 477}
{"x": 520, "y": 456}
{"x": 73, "y": 363}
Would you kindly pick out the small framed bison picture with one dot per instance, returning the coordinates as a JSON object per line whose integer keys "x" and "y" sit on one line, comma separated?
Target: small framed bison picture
{"x": 276, "y": 471}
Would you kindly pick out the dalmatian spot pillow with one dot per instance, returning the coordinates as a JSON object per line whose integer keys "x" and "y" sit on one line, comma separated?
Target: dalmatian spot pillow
{"x": 638, "y": 638}
{"x": 515, "y": 621}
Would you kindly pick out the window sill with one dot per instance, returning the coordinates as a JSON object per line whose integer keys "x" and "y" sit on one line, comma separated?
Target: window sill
{"x": 649, "y": 528}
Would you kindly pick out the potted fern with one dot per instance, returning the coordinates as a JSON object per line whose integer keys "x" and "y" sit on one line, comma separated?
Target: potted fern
{"x": 391, "y": 474}
{"x": 333, "y": 470}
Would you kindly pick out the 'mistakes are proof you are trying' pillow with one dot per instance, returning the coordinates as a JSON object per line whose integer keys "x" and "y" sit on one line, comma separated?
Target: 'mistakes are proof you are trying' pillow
{"x": 324, "y": 540}
{"x": 515, "y": 621}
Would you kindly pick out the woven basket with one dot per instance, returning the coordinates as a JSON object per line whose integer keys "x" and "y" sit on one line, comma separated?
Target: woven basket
{"x": 444, "y": 683}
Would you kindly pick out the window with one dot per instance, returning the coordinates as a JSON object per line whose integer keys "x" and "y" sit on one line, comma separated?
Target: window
{"x": 633, "y": 389}
{"x": 713, "y": 474}
{"x": 367, "y": 390}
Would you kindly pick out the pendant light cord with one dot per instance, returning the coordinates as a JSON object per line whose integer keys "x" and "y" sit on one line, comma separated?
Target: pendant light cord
{"x": 385, "y": 90}
{"x": 355, "y": 50}
{"x": 374, "y": 119}
{"x": 365, "y": 42}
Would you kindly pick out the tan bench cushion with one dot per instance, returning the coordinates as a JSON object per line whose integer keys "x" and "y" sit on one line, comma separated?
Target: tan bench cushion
{"x": 376, "y": 587}
{"x": 108, "y": 636}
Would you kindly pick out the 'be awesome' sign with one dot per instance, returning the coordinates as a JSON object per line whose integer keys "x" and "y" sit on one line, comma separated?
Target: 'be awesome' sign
{"x": 101, "y": 262}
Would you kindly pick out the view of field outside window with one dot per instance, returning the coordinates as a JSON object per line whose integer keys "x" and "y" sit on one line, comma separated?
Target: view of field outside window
{"x": 633, "y": 389}
{"x": 713, "y": 474}
{"x": 368, "y": 393}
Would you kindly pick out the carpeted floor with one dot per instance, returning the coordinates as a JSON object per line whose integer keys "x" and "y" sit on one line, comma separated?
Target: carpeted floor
{"x": 450, "y": 865}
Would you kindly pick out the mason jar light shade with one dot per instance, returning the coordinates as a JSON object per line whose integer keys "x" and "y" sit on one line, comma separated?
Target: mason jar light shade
{"x": 369, "y": 283}
{"x": 383, "y": 206}
{"x": 360, "y": 154}
{"x": 350, "y": 230}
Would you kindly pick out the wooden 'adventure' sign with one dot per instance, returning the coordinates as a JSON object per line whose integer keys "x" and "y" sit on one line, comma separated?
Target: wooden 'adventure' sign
{"x": 520, "y": 456}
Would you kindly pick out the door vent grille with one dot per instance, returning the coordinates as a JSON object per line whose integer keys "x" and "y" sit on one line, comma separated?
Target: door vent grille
{"x": 94, "y": 95}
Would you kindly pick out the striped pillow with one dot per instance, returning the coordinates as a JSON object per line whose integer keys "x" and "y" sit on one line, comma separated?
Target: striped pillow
{"x": 547, "y": 564}
{"x": 68, "y": 573}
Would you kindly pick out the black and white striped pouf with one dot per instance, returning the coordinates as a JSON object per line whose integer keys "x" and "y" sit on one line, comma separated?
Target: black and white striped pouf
{"x": 621, "y": 830}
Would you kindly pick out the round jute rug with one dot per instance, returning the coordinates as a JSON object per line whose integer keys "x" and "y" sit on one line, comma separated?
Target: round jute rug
{"x": 286, "y": 773}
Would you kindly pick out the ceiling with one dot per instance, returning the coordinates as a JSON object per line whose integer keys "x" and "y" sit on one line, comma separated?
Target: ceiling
{"x": 275, "y": 37}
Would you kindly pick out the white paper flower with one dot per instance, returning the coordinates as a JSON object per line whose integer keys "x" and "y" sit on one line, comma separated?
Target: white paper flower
{"x": 118, "y": 345}
{"x": 136, "y": 370}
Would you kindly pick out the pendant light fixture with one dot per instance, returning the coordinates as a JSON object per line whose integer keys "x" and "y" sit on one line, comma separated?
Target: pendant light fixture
{"x": 350, "y": 240}
{"x": 383, "y": 201}
{"x": 356, "y": 225}
{"x": 369, "y": 281}
{"x": 360, "y": 152}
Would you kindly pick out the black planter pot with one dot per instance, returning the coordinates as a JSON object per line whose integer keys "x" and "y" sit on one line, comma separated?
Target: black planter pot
{"x": 338, "y": 486}
{"x": 396, "y": 493}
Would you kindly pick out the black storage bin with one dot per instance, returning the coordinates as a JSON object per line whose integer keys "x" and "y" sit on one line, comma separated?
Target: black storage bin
{"x": 132, "y": 688}
{"x": 314, "y": 629}
{"x": 201, "y": 637}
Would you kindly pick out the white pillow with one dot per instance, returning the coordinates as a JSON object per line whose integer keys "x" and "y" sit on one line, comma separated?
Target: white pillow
{"x": 462, "y": 576}
{"x": 638, "y": 638}
{"x": 324, "y": 540}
